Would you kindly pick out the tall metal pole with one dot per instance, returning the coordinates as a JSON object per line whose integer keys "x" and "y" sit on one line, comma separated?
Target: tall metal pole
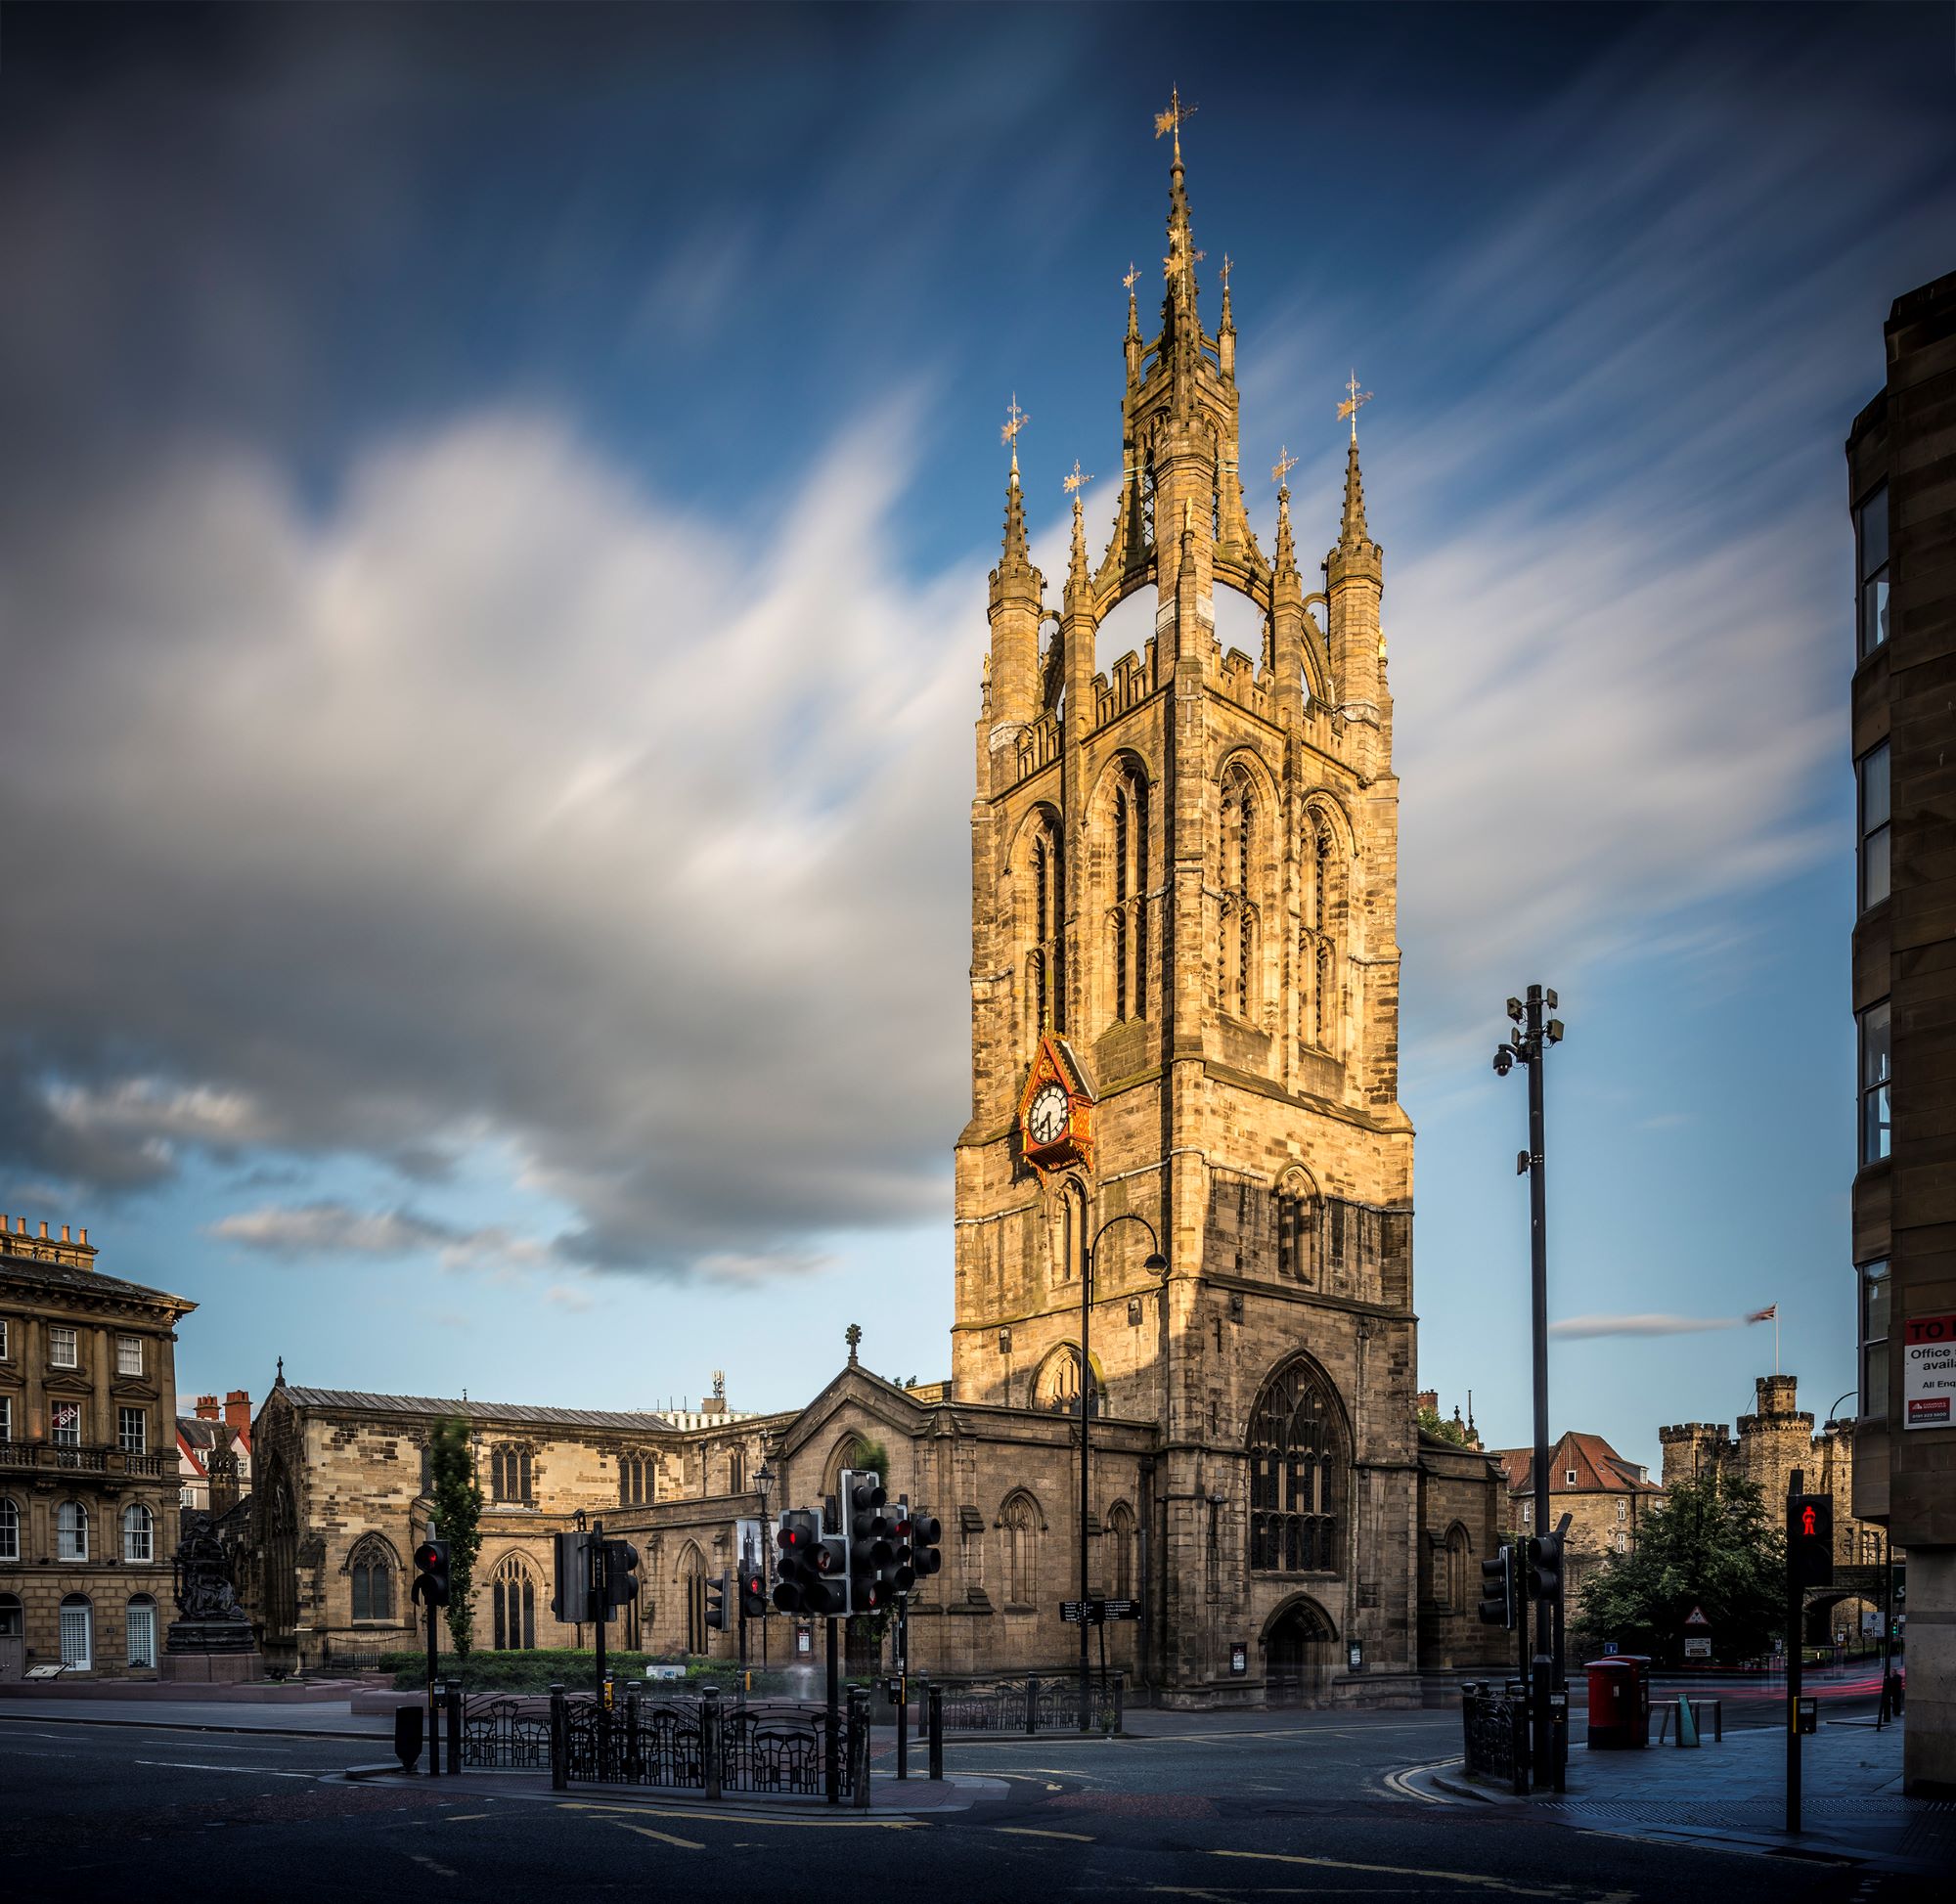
{"x": 1795, "y": 1608}
{"x": 1086, "y": 1397}
{"x": 1539, "y": 1679}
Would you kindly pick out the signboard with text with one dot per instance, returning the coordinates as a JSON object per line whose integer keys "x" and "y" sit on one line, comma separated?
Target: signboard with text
{"x": 1928, "y": 1372}
{"x": 1697, "y": 1648}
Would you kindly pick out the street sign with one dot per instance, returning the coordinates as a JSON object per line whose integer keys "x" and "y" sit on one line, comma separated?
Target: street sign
{"x": 1073, "y": 1611}
{"x": 1239, "y": 1657}
{"x": 1699, "y": 1649}
{"x": 1696, "y": 1617}
{"x": 1928, "y": 1372}
{"x": 1122, "y": 1609}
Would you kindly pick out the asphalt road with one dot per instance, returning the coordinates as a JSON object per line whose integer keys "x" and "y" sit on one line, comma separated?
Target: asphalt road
{"x": 1248, "y": 1807}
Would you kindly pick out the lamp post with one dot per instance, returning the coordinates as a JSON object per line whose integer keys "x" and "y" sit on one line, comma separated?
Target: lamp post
{"x": 1528, "y": 1045}
{"x": 1156, "y": 1264}
{"x": 764, "y": 1480}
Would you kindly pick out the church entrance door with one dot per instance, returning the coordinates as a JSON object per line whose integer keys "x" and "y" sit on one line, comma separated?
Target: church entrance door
{"x": 1299, "y": 1649}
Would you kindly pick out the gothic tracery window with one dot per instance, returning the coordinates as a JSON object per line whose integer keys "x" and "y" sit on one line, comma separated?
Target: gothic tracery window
{"x": 1120, "y": 1568}
{"x": 1070, "y": 1232}
{"x": 1317, "y": 955}
{"x": 1057, "y": 1388}
{"x": 510, "y": 1474}
{"x": 634, "y": 1480}
{"x": 513, "y": 1601}
{"x": 1296, "y": 1473}
{"x": 1044, "y": 912}
{"x": 1130, "y": 902}
{"x": 1236, "y": 950}
{"x": 1021, "y": 1553}
{"x": 373, "y": 1570}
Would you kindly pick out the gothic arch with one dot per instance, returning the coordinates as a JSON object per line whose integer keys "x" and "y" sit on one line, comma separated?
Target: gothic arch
{"x": 1057, "y": 1381}
{"x": 1296, "y": 1209}
{"x": 370, "y": 1565}
{"x": 1299, "y": 1643}
{"x": 1121, "y": 837}
{"x": 1067, "y": 1229}
{"x": 1299, "y": 1442}
{"x": 1247, "y": 814}
{"x": 1327, "y": 858}
{"x": 512, "y": 1602}
{"x": 1021, "y": 1523}
{"x": 1117, "y": 1572}
{"x": 1036, "y": 871}
{"x": 1456, "y": 1552}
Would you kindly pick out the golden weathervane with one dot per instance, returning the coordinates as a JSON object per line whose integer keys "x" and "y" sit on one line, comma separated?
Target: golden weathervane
{"x": 1133, "y": 273}
{"x": 1285, "y": 463}
{"x": 1015, "y": 420}
{"x": 1076, "y": 482}
{"x": 1171, "y": 120}
{"x": 1352, "y": 400}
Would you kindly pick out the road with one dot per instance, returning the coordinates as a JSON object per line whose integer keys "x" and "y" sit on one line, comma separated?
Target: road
{"x": 1243, "y": 1807}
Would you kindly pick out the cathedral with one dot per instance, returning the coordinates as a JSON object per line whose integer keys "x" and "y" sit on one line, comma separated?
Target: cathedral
{"x": 1183, "y": 1200}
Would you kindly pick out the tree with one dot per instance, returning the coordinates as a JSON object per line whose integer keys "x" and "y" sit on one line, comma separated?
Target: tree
{"x": 458, "y": 1516}
{"x": 1710, "y": 1545}
{"x": 1434, "y": 1422}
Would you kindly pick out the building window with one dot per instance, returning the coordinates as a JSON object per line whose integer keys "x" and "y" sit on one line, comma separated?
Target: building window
{"x": 10, "y": 1529}
{"x": 1297, "y": 1228}
{"x": 5, "y": 1350}
{"x": 72, "y": 1531}
{"x": 513, "y": 1598}
{"x": 1120, "y": 1570}
{"x": 1057, "y": 1388}
{"x": 1317, "y": 965}
{"x": 1236, "y": 955}
{"x": 139, "y": 1530}
{"x": 140, "y": 1629}
{"x": 132, "y": 1431}
{"x": 636, "y": 1474}
{"x": 1875, "y": 1341}
{"x": 1131, "y": 891}
{"x": 64, "y": 1424}
{"x": 128, "y": 1354}
{"x": 1021, "y": 1553}
{"x": 1871, "y": 536}
{"x": 77, "y": 1633}
{"x": 1571, "y": 1474}
{"x": 509, "y": 1474}
{"x": 6, "y": 1418}
{"x": 1877, "y": 1057}
{"x": 1046, "y": 1004}
{"x": 373, "y": 1571}
{"x": 1871, "y": 774}
{"x": 1295, "y": 1474}
{"x": 62, "y": 1347}
{"x": 737, "y": 1473}
{"x": 1071, "y": 1251}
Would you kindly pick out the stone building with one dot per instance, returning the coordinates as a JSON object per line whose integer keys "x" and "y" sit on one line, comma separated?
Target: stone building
{"x": 214, "y": 1453}
{"x": 1901, "y": 451}
{"x": 88, "y": 1484}
{"x": 1605, "y": 1497}
{"x": 1183, "y": 1199}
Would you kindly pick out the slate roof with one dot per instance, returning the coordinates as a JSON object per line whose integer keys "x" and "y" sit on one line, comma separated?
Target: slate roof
{"x": 357, "y": 1400}
{"x": 1599, "y": 1469}
{"x": 83, "y": 1282}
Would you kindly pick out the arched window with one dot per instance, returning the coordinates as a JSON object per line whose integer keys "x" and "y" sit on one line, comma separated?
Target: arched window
{"x": 1069, "y": 1232}
{"x": 737, "y": 1473}
{"x": 634, "y": 1480}
{"x": 1236, "y": 950}
{"x": 1457, "y": 1554}
{"x": 373, "y": 1570}
{"x": 692, "y": 1597}
{"x": 1296, "y": 1229}
{"x": 510, "y": 1474}
{"x": 72, "y": 1531}
{"x": 1129, "y": 910}
{"x": 1120, "y": 1569}
{"x": 1046, "y": 906}
{"x": 10, "y": 1529}
{"x": 77, "y": 1633}
{"x": 139, "y": 1630}
{"x": 1057, "y": 1388}
{"x": 1323, "y": 921}
{"x": 138, "y": 1533}
{"x": 512, "y": 1600}
{"x": 1296, "y": 1473}
{"x": 1021, "y": 1552}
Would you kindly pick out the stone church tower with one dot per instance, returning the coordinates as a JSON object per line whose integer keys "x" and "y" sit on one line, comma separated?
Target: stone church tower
{"x": 1183, "y": 913}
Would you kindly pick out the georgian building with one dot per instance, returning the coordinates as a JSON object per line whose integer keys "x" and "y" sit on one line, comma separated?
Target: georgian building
{"x": 1184, "y": 1198}
{"x": 88, "y": 1482}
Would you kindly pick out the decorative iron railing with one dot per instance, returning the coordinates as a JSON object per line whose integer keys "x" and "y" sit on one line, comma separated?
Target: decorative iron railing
{"x": 1030, "y": 1705}
{"x": 503, "y": 1733}
{"x": 1495, "y": 1726}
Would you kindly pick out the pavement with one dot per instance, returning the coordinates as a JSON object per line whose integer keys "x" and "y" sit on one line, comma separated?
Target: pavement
{"x": 1732, "y": 1795}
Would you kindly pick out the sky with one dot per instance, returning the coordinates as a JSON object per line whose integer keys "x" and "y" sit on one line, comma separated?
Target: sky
{"x": 492, "y": 534}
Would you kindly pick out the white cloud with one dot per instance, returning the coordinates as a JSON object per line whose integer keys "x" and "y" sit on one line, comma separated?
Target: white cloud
{"x": 330, "y": 1228}
{"x": 1581, "y": 1327}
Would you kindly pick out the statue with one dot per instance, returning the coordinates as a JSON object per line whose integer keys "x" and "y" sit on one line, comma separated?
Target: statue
{"x": 210, "y": 1619}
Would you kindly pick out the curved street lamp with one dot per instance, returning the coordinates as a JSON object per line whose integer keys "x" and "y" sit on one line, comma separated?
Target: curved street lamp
{"x": 1156, "y": 1264}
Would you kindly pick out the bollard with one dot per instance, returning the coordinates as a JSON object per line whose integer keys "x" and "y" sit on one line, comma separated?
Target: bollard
{"x": 1687, "y": 1727}
{"x": 709, "y": 1739}
{"x": 934, "y": 1702}
{"x": 632, "y": 1703}
{"x": 560, "y": 1741}
{"x": 454, "y": 1703}
{"x": 859, "y": 1749}
{"x": 923, "y": 1700}
{"x": 1120, "y": 1688}
{"x": 1032, "y": 1703}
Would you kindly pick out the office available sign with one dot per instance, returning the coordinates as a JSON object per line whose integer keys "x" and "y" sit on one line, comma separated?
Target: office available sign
{"x": 1928, "y": 1372}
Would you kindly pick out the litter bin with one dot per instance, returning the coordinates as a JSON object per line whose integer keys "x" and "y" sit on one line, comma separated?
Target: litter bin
{"x": 1618, "y": 1704}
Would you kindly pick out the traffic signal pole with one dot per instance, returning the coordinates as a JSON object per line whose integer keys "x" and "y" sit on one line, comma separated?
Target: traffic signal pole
{"x": 1794, "y": 1599}
{"x": 601, "y": 1611}
{"x": 434, "y": 1747}
{"x": 1539, "y": 1680}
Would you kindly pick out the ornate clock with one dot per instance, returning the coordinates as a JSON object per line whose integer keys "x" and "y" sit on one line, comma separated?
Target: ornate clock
{"x": 1056, "y": 1108}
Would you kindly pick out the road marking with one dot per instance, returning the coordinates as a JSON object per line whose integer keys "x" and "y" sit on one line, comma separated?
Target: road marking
{"x": 247, "y": 1771}
{"x": 1395, "y": 1782}
{"x": 646, "y": 1831}
{"x": 1486, "y": 1883}
{"x": 1026, "y": 1831}
{"x": 440, "y": 1870}
{"x": 746, "y": 1818}
{"x": 467, "y": 1817}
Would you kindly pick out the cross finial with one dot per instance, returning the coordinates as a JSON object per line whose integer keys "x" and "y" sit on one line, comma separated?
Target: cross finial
{"x": 1354, "y": 399}
{"x": 1226, "y": 271}
{"x": 1133, "y": 273}
{"x": 853, "y": 1336}
{"x": 1171, "y": 120}
{"x": 1076, "y": 482}
{"x": 1015, "y": 420}
{"x": 1285, "y": 463}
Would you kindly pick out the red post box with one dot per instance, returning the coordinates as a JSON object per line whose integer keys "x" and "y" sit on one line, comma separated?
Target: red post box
{"x": 1618, "y": 1703}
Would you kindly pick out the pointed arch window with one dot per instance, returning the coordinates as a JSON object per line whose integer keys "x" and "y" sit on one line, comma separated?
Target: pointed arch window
{"x": 1057, "y": 1387}
{"x": 1236, "y": 952}
{"x": 634, "y": 1480}
{"x": 373, "y": 1571}
{"x": 1120, "y": 1552}
{"x": 1070, "y": 1232}
{"x": 1044, "y": 912}
{"x": 1324, "y": 917}
{"x": 509, "y": 1474}
{"x": 1297, "y": 1230}
{"x": 512, "y": 1602}
{"x": 1021, "y": 1529}
{"x": 1296, "y": 1473}
{"x": 1131, "y": 890}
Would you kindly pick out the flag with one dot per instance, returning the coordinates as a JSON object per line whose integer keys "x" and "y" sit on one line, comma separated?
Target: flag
{"x": 1771, "y": 1314}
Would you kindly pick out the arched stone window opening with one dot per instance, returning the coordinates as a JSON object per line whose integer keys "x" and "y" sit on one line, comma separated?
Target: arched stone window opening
{"x": 510, "y": 1474}
{"x": 1021, "y": 1527}
{"x": 1057, "y": 1387}
{"x": 1044, "y": 925}
{"x": 634, "y": 1480}
{"x": 1069, "y": 1242}
{"x": 512, "y": 1599}
{"x": 1130, "y": 900}
{"x": 1459, "y": 1551}
{"x": 1324, "y": 917}
{"x": 372, "y": 1566}
{"x": 1297, "y": 1230}
{"x": 1120, "y": 1538}
{"x": 692, "y": 1597}
{"x": 1297, "y": 1469}
{"x": 78, "y": 1632}
{"x": 1236, "y": 976}
{"x": 139, "y": 1630}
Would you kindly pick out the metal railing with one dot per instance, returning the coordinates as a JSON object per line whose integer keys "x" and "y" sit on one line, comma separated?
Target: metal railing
{"x": 1495, "y": 1728}
{"x": 1031, "y": 1705}
{"x": 59, "y": 1458}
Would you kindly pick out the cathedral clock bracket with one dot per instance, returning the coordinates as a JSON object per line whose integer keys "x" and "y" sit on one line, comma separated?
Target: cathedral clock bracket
{"x": 1055, "y": 1110}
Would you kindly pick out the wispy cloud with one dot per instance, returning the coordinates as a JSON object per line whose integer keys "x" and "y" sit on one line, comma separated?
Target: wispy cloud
{"x": 328, "y": 1229}
{"x": 1578, "y": 1327}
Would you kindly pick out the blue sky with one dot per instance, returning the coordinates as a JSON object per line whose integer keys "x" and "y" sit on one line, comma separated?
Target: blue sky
{"x": 492, "y": 562}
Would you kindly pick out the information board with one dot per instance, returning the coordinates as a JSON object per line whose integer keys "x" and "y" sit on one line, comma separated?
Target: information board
{"x": 1928, "y": 1372}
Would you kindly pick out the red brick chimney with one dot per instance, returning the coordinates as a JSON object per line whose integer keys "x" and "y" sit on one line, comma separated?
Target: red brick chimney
{"x": 237, "y": 1415}
{"x": 206, "y": 1408}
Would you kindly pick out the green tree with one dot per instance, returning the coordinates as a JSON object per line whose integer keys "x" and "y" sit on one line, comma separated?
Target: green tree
{"x": 458, "y": 1515}
{"x": 1710, "y": 1545}
{"x": 1432, "y": 1420}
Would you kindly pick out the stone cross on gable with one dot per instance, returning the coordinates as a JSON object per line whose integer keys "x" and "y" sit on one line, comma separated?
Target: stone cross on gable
{"x": 853, "y": 1335}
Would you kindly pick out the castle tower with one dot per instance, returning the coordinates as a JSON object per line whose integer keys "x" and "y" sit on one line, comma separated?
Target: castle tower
{"x": 1184, "y": 877}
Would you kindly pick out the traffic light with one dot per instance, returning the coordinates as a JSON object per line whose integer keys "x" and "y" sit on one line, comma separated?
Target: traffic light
{"x": 1497, "y": 1589}
{"x": 1544, "y": 1565}
{"x": 795, "y": 1538}
{"x": 431, "y": 1573}
{"x": 896, "y": 1571}
{"x": 1810, "y": 1539}
{"x": 753, "y": 1599}
{"x": 716, "y": 1603}
{"x": 866, "y": 1543}
{"x": 572, "y": 1601}
{"x": 926, "y": 1530}
{"x": 621, "y": 1574}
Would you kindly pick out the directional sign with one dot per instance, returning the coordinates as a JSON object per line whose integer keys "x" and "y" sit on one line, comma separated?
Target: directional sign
{"x": 1120, "y": 1609}
{"x": 1073, "y": 1612}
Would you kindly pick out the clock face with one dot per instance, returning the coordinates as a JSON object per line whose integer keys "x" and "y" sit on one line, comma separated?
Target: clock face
{"x": 1046, "y": 1121}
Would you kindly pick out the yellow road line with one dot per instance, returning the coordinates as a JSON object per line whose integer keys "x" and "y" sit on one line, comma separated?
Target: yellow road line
{"x": 1026, "y": 1831}
{"x": 664, "y": 1837}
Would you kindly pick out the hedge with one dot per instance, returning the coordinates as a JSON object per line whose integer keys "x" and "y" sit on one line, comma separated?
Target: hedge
{"x": 576, "y": 1669}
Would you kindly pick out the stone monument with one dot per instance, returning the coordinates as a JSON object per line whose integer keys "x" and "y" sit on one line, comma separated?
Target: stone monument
{"x": 212, "y": 1639}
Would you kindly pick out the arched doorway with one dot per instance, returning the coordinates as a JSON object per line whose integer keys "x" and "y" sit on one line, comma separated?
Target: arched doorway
{"x": 1300, "y": 1653}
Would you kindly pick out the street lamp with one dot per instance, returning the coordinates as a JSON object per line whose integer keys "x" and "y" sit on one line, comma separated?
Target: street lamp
{"x": 1156, "y": 1264}
{"x": 764, "y": 1480}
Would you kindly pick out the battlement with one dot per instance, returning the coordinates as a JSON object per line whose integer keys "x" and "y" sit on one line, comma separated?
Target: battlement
{"x": 71, "y": 1252}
